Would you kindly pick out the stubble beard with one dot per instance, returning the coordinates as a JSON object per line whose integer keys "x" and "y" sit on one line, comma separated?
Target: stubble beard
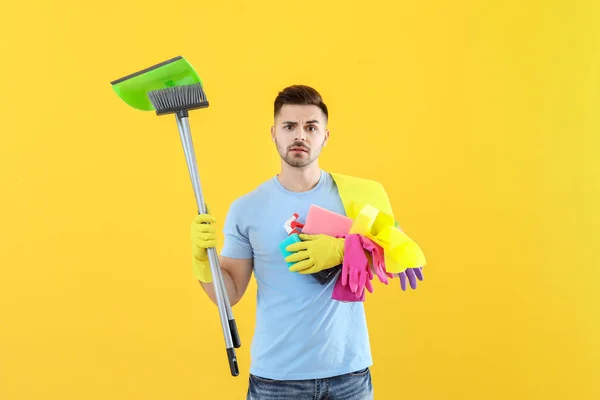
{"x": 297, "y": 161}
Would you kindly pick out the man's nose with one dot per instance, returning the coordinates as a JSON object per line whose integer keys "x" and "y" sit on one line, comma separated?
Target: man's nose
{"x": 300, "y": 135}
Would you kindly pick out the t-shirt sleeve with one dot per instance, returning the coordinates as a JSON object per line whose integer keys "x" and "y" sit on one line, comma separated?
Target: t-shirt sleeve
{"x": 236, "y": 243}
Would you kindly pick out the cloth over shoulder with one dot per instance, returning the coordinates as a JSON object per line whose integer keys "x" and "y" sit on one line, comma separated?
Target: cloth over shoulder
{"x": 368, "y": 204}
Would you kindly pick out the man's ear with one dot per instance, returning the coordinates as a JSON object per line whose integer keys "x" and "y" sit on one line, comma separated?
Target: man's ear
{"x": 273, "y": 133}
{"x": 326, "y": 137}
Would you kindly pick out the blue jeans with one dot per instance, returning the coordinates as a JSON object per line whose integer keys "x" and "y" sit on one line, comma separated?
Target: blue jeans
{"x": 353, "y": 386}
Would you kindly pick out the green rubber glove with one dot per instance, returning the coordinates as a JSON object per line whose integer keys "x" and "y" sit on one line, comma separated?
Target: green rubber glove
{"x": 315, "y": 253}
{"x": 204, "y": 236}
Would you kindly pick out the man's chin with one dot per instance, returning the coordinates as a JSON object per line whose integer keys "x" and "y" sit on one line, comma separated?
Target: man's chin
{"x": 298, "y": 162}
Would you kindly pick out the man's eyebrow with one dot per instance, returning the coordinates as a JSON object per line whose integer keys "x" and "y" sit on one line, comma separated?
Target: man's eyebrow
{"x": 314, "y": 121}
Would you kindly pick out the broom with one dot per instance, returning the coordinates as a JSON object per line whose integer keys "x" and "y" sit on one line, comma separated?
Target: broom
{"x": 174, "y": 87}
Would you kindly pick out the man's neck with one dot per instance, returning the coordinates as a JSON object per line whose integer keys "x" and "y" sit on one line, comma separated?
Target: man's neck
{"x": 299, "y": 179}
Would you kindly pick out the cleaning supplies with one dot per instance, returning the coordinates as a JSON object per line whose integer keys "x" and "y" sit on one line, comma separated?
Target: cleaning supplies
{"x": 315, "y": 253}
{"x": 293, "y": 226}
{"x": 290, "y": 239}
{"x": 321, "y": 220}
{"x": 291, "y": 221}
{"x": 204, "y": 236}
{"x": 368, "y": 222}
{"x": 361, "y": 195}
{"x": 356, "y": 274}
{"x": 412, "y": 274}
{"x": 134, "y": 89}
{"x": 400, "y": 251}
{"x": 174, "y": 87}
{"x": 361, "y": 249}
{"x": 378, "y": 260}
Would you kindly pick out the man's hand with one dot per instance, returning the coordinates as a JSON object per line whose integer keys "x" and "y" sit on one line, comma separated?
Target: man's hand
{"x": 315, "y": 253}
{"x": 203, "y": 236}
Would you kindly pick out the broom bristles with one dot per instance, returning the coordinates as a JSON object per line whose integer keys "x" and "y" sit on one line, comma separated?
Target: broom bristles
{"x": 178, "y": 98}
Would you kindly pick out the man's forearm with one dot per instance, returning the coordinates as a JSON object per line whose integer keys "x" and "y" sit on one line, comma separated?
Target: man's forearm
{"x": 232, "y": 291}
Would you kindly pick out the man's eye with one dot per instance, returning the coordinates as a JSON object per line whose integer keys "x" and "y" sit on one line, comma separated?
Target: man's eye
{"x": 312, "y": 128}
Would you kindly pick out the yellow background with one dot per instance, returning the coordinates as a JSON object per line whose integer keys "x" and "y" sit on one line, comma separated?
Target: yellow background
{"x": 479, "y": 117}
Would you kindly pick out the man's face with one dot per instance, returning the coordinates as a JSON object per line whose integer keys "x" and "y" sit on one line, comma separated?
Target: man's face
{"x": 300, "y": 132}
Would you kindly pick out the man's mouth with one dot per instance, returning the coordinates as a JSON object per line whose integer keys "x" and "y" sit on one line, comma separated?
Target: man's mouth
{"x": 298, "y": 149}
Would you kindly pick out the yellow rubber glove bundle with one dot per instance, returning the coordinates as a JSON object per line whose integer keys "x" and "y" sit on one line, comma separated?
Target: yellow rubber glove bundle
{"x": 315, "y": 253}
{"x": 401, "y": 252}
{"x": 204, "y": 236}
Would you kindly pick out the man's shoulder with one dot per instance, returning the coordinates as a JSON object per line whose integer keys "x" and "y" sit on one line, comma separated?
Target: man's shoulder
{"x": 259, "y": 194}
{"x": 357, "y": 191}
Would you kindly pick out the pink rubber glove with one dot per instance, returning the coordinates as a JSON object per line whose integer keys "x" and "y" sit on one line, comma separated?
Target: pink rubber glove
{"x": 343, "y": 293}
{"x": 355, "y": 269}
{"x": 378, "y": 259}
{"x": 341, "y": 289}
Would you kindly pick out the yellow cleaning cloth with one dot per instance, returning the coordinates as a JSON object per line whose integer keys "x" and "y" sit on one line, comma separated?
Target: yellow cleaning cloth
{"x": 367, "y": 203}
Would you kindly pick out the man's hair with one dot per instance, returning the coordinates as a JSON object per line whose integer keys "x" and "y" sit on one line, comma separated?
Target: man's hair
{"x": 300, "y": 95}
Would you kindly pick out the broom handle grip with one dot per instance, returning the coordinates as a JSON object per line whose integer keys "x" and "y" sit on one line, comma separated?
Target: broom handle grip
{"x": 228, "y": 325}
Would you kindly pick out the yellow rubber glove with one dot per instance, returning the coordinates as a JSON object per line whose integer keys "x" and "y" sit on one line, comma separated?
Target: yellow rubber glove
{"x": 204, "y": 236}
{"x": 315, "y": 253}
{"x": 401, "y": 252}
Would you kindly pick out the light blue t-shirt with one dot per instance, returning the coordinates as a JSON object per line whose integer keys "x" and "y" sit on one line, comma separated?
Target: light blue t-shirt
{"x": 301, "y": 332}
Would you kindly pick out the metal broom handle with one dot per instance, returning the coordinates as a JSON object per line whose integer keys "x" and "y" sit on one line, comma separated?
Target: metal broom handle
{"x": 228, "y": 324}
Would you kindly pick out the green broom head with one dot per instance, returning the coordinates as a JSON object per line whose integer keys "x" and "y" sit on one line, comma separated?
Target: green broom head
{"x": 175, "y": 74}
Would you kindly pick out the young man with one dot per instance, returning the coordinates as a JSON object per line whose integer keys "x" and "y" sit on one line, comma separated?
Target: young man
{"x": 305, "y": 345}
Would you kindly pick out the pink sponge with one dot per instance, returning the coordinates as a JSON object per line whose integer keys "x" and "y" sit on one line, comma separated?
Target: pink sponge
{"x": 322, "y": 221}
